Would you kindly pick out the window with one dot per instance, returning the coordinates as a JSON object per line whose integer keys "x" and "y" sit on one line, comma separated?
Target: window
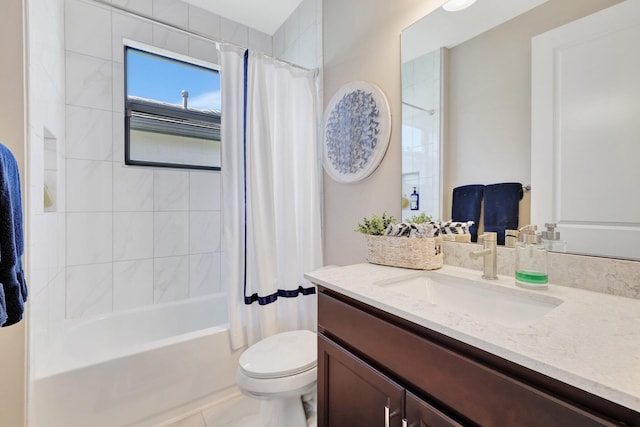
{"x": 172, "y": 112}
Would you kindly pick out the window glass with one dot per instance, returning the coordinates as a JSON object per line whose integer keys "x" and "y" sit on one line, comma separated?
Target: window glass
{"x": 172, "y": 112}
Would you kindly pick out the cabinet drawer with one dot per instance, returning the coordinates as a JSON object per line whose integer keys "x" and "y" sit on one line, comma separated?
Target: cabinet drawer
{"x": 471, "y": 389}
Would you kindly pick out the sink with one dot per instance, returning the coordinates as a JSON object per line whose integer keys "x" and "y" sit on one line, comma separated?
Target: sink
{"x": 510, "y": 307}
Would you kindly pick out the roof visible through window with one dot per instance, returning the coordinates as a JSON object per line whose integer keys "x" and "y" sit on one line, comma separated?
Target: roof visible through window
{"x": 157, "y": 78}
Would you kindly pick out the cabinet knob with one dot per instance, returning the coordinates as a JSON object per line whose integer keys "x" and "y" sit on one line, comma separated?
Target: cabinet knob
{"x": 386, "y": 416}
{"x": 404, "y": 422}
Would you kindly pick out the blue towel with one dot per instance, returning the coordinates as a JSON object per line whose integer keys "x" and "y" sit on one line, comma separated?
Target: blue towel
{"x": 12, "y": 278}
{"x": 502, "y": 207}
{"x": 465, "y": 206}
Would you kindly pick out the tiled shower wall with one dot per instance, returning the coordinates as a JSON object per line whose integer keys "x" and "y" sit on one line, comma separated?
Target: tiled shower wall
{"x": 135, "y": 235}
{"x": 299, "y": 39}
{"x": 125, "y": 236}
{"x": 45, "y": 244}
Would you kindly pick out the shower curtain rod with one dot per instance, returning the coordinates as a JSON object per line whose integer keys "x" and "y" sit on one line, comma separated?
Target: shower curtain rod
{"x": 181, "y": 29}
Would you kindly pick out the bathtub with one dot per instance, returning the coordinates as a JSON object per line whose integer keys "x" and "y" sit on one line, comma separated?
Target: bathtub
{"x": 128, "y": 367}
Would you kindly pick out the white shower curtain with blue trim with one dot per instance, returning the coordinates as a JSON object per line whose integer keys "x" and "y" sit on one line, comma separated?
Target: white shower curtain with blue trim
{"x": 271, "y": 194}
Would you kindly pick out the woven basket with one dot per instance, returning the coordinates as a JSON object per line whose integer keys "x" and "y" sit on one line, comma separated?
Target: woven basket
{"x": 463, "y": 238}
{"x": 420, "y": 253}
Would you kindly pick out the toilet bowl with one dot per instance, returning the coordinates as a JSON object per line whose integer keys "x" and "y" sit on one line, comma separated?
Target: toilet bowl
{"x": 281, "y": 370}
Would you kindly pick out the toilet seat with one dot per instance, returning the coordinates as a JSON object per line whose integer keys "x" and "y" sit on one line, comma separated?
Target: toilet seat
{"x": 282, "y": 355}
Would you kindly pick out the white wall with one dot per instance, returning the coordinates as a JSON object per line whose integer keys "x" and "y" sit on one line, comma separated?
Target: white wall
{"x": 13, "y": 366}
{"x": 361, "y": 41}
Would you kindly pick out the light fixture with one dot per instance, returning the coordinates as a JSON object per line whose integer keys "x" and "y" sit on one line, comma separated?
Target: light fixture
{"x": 456, "y": 5}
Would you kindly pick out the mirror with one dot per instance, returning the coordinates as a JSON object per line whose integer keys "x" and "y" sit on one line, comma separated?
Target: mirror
{"x": 467, "y": 104}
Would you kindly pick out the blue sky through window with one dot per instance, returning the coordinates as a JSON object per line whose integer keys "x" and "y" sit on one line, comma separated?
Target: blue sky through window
{"x": 163, "y": 79}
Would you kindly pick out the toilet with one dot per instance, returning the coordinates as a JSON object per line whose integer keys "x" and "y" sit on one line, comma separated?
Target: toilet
{"x": 281, "y": 370}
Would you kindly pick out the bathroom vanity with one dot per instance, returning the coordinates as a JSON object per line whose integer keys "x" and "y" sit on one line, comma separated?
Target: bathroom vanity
{"x": 447, "y": 348}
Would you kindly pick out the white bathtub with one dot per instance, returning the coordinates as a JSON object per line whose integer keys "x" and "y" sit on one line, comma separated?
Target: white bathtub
{"x": 124, "y": 368}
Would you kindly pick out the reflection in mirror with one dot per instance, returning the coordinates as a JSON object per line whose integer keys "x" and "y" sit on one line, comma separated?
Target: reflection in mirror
{"x": 483, "y": 115}
{"x": 421, "y": 136}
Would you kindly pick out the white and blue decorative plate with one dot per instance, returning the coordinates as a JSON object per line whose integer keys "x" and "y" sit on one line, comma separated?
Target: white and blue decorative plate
{"x": 356, "y": 131}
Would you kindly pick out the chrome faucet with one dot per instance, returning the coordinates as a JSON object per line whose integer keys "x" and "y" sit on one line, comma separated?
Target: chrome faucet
{"x": 489, "y": 253}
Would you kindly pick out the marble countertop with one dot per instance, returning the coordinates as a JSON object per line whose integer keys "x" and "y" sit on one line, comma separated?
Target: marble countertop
{"x": 590, "y": 341}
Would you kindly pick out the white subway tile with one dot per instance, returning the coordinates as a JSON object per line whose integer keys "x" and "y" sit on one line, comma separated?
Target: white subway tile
{"x": 171, "y": 190}
{"x": 170, "y": 279}
{"x": 89, "y": 238}
{"x": 142, "y": 6}
{"x": 205, "y": 232}
{"x": 171, "y": 234}
{"x": 234, "y": 32}
{"x": 89, "y": 133}
{"x": 132, "y": 235}
{"x": 204, "y": 274}
{"x": 260, "y": 42}
{"x": 132, "y": 284}
{"x": 278, "y": 43}
{"x": 88, "y": 29}
{"x": 307, "y": 14}
{"x": 118, "y": 95}
{"x": 89, "y": 81}
{"x": 204, "y": 191}
{"x": 170, "y": 40}
{"x": 48, "y": 18}
{"x": 89, "y": 290}
{"x": 118, "y": 137}
{"x": 172, "y": 11}
{"x": 89, "y": 186}
{"x": 57, "y": 298}
{"x": 203, "y": 50}
{"x": 131, "y": 28}
{"x": 307, "y": 48}
{"x": 204, "y": 22}
{"x": 132, "y": 188}
{"x": 292, "y": 28}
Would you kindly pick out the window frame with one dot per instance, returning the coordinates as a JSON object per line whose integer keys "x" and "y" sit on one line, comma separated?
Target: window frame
{"x": 167, "y": 119}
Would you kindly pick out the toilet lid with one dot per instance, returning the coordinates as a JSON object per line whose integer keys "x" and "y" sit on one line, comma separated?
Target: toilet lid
{"x": 281, "y": 355}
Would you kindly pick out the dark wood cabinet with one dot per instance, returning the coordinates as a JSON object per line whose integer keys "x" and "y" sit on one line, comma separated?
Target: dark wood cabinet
{"x": 356, "y": 395}
{"x": 369, "y": 359}
{"x": 419, "y": 413}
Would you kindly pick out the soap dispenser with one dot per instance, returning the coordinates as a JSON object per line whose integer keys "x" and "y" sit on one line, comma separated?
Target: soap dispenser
{"x": 414, "y": 200}
{"x": 551, "y": 239}
{"x": 531, "y": 259}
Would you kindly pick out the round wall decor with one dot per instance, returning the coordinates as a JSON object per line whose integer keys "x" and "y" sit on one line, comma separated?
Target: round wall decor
{"x": 356, "y": 130}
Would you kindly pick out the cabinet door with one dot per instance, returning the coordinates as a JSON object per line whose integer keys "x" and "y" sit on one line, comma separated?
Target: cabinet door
{"x": 421, "y": 414}
{"x": 353, "y": 394}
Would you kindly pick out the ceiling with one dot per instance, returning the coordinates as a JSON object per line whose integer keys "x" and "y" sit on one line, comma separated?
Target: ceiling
{"x": 261, "y": 15}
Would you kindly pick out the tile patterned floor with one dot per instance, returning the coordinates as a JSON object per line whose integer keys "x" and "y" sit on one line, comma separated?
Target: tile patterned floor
{"x": 239, "y": 411}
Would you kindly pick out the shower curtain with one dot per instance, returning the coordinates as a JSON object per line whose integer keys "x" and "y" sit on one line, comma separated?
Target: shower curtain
{"x": 271, "y": 194}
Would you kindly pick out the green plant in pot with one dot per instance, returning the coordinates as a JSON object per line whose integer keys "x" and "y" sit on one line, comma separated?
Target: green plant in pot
{"x": 419, "y": 219}
{"x": 376, "y": 225}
